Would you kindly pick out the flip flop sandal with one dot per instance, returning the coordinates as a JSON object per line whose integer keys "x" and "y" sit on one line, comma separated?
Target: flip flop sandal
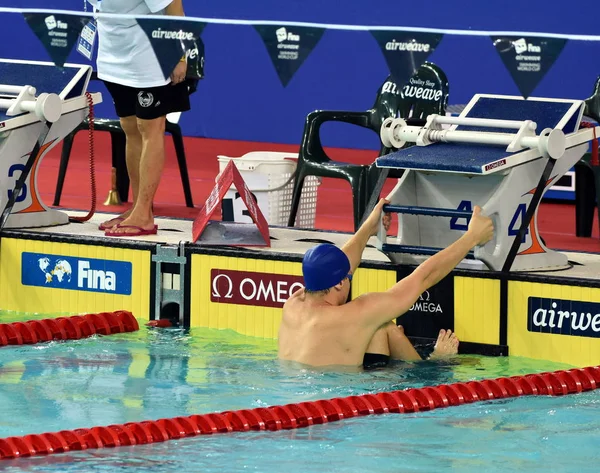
{"x": 115, "y": 221}
{"x": 139, "y": 231}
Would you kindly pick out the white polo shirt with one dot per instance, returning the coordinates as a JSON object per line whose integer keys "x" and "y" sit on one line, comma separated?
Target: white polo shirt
{"x": 125, "y": 55}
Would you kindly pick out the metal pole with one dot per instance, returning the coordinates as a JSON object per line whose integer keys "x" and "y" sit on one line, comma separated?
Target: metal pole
{"x": 484, "y": 122}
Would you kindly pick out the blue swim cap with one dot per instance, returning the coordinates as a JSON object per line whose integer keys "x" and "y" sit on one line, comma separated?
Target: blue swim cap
{"x": 324, "y": 266}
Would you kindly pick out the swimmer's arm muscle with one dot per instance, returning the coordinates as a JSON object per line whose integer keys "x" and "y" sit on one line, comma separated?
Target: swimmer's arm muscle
{"x": 436, "y": 268}
{"x": 355, "y": 246}
{"x": 378, "y": 308}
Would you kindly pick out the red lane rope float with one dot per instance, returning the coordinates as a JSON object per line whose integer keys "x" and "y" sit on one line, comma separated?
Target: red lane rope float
{"x": 292, "y": 416}
{"x": 67, "y": 328}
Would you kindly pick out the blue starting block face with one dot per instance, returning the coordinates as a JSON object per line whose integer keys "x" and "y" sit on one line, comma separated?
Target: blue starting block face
{"x": 467, "y": 158}
{"x": 67, "y": 82}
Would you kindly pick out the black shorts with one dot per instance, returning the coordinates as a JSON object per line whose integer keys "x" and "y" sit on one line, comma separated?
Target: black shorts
{"x": 151, "y": 102}
{"x": 375, "y": 360}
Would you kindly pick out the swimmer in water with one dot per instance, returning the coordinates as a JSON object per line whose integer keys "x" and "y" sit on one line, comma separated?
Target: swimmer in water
{"x": 320, "y": 328}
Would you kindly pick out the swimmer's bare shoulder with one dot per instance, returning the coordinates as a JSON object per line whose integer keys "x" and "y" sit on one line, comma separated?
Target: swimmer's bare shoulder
{"x": 295, "y": 305}
{"x": 297, "y": 297}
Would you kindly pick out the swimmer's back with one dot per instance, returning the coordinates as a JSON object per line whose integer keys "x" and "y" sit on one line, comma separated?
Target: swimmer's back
{"x": 313, "y": 334}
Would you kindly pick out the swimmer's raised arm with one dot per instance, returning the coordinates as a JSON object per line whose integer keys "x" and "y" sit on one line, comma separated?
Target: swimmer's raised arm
{"x": 381, "y": 307}
{"x": 356, "y": 245}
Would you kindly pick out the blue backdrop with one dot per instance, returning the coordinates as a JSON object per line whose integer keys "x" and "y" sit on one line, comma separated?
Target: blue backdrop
{"x": 241, "y": 97}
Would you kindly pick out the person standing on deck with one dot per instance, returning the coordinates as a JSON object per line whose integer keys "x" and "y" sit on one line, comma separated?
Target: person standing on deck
{"x": 142, "y": 97}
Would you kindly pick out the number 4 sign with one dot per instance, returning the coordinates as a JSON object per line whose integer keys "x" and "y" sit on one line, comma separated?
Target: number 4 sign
{"x": 515, "y": 223}
{"x": 513, "y": 228}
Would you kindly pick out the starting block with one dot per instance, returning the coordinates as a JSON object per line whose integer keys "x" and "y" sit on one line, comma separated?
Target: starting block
{"x": 477, "y": 161}
{"x": 40, "y": 104}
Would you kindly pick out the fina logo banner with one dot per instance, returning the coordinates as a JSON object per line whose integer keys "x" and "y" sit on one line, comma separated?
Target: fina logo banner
{"x": 77, "y": 274}
{"x": 58, "y": 33}
{"x": 250, "y": 288}
{"x": 405, "y": 51}
{"x": 171, "y": 40}
{"x": 289, "y": 46}
{"x": 528, "y": 59}
{"x": 563, "y": 317}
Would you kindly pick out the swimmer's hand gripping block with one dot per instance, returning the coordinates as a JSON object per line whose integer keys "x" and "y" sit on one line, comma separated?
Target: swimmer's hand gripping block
{"x": 481, "y": 253}
{"x": 231, "y": 176}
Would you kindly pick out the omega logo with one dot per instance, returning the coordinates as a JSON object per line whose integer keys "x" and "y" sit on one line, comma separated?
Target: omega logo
{"x": 253, "y": 288}
{"x": 215, "y": 291}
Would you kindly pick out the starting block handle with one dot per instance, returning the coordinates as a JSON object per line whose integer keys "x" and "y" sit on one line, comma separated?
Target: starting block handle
{"x": 416, "y": 250}
{"x": 412, "y": 210}
{"x": 487, "y": 253}
{"x": 430, "y": 211}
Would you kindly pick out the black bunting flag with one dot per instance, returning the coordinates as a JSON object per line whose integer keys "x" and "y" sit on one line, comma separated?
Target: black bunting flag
{"x": 57, "y": 32}
{"x": 405, "y": 51}
{"x": 172, "y": 39}
{"x": 289, "y": 46}
{"x": 528, "y": 59}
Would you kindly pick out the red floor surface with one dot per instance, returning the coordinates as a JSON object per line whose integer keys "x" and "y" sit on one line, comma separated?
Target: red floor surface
{"x": 556, "y": 221}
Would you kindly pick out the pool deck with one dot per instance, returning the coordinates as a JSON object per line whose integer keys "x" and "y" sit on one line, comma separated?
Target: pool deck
{"x": 244, "y": 288}
{"x": 284, "y": 240}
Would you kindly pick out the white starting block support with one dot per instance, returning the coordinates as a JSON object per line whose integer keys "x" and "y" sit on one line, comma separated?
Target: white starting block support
{"x": 475, "y": 162}
{"x": 47, "y": 107}
{"x": 24, "y": 119}
{"x": 395, "y": 133}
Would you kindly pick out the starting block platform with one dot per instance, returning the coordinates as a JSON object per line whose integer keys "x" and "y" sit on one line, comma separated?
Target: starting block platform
{"x": 475, "y": 161}
{"x": 40, "y": 104}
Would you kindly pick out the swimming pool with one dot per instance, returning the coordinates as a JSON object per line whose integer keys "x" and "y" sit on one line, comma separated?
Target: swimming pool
{"x": 153, "y": 374}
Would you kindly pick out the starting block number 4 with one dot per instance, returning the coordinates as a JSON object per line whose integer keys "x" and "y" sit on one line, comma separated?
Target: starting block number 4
{"x": 513, "y": 227}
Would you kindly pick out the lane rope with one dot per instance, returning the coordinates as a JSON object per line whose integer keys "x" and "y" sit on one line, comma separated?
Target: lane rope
{"x": 304, "y": 414}
{"x": 67, "y": 328}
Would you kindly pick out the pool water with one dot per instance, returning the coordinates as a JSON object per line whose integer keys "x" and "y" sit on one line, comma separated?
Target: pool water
{"x": 153, "y": 373}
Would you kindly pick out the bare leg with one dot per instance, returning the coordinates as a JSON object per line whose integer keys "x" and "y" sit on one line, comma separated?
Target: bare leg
{"x": 145, "y": 181}
{"x": 400, "y": 346}
{"x": 446, "y": 345}
{"x": 379, "y": 344}
{"x": 133, "y": 153}
{"x": 390, "y": 340}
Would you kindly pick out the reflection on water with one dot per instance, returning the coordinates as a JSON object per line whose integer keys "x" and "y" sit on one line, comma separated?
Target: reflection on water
{"x": 170, "y": 372}
{"x": 157, "y": 373}
{"x": 519, "y": 435}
